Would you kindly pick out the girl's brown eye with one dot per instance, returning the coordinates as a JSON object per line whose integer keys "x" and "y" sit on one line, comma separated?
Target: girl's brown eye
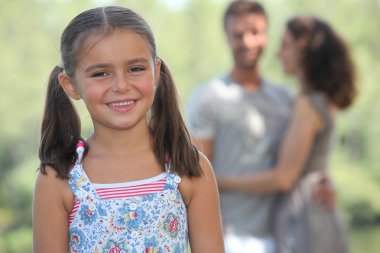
{"x": 100, "y": 74}
{"x": 136, "y": 69}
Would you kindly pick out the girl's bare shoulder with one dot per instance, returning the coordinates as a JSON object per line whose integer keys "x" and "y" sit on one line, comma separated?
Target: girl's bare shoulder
{"x": 52, "y": 188}
{"x": 190, "y": 186}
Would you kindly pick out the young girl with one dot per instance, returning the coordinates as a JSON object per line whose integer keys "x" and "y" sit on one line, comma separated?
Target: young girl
{"x": 313, "y": 53}
{"x": 137, "y": 184}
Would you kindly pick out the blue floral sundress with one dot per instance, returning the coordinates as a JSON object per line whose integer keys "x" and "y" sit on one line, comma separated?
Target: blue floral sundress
{"x": 153, "y": 223}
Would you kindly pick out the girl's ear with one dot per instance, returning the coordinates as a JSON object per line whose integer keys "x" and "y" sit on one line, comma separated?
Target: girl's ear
{"x": 68, "y": 86}
{"x": 157, "y": 71}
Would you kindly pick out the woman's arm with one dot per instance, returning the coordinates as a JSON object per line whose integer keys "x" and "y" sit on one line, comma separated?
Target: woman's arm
{"x": 202, "y": 201}
{"x": 51, "y": 205}
{"x": 295, "y": 150}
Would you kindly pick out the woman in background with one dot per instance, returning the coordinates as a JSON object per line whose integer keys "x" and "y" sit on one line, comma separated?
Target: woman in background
{"x": 312, "y": 52}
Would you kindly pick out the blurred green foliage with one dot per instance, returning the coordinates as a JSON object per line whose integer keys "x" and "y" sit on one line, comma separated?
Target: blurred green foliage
{"x": 190, "y": 39}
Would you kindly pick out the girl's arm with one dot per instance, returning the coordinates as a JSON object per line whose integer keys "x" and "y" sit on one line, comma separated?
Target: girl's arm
{"x": 51, "y": 205}
{"x": 305, "y": 124}
{"x": 202, "y": 201}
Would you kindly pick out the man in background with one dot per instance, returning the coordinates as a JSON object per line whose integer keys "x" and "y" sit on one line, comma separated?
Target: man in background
{"x": 238, "y": 120}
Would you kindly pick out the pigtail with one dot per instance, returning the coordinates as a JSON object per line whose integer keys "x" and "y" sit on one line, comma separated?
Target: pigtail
{"x": 170, "y": 136}
{"x": 60, "y": 130}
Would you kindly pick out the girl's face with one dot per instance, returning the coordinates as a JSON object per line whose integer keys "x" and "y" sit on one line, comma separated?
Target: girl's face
{"x": 116, "y": 79}
{"x": 289, "y": 54}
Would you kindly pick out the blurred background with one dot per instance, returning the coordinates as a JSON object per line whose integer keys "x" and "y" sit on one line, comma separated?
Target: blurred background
{"x": 190, "y": 39}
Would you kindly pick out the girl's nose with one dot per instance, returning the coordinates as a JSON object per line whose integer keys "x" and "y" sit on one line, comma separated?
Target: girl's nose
{"x": 121, "y": 84}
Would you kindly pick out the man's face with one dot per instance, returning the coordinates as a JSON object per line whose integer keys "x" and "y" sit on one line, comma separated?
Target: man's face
{"x": 247, "y": 37}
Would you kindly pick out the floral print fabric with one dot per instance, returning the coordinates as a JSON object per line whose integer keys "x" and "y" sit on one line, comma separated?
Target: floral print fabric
{"x": 153, "y": 223}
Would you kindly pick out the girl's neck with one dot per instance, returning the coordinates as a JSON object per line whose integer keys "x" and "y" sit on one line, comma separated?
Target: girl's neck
{"x": 120, "y": 141}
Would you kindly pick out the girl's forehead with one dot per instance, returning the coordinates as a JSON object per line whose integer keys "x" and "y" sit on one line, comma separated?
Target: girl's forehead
{"x": 111, "y": 35}
{"x": 126, "y": 40}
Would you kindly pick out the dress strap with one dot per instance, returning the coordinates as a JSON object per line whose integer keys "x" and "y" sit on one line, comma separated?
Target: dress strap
{"x": 172, "y": 181}
{"x": 78, "y": 181}
{"x": 321, "y": 105}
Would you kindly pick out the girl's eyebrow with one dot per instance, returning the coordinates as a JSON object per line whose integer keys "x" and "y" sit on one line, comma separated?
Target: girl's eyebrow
{"x": 96, "y": 66}
{"x": 138, "y": 60}
{"x": 105, "y": 65}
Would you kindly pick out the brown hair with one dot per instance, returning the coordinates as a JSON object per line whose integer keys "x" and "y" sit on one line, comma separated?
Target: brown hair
{"x": 60, "y": 130}
{"x": 240, "y": 8}
{"x": 326, "y": 60}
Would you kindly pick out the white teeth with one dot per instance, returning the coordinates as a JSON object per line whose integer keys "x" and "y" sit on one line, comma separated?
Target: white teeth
{"x": 122, "y": 103}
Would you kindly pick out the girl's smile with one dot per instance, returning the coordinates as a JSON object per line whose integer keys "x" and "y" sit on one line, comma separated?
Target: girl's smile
{"x": 122, "y": 106}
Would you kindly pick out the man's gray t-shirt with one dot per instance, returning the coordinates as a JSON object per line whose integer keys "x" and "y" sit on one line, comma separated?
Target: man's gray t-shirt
{"x": 246, "y": 128}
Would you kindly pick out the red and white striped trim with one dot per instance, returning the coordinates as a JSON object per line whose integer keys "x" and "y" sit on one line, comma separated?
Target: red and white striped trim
{"x": 124, "y": 190}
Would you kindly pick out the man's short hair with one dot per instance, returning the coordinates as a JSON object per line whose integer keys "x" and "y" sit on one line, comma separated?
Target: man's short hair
{"x": 238, "y": 8}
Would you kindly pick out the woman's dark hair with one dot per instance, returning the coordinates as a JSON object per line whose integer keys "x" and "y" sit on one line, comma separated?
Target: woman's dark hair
{"x": 238, "y": 8}
{"x": 60, "y": 130}
{"x": 326, "y": 60}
